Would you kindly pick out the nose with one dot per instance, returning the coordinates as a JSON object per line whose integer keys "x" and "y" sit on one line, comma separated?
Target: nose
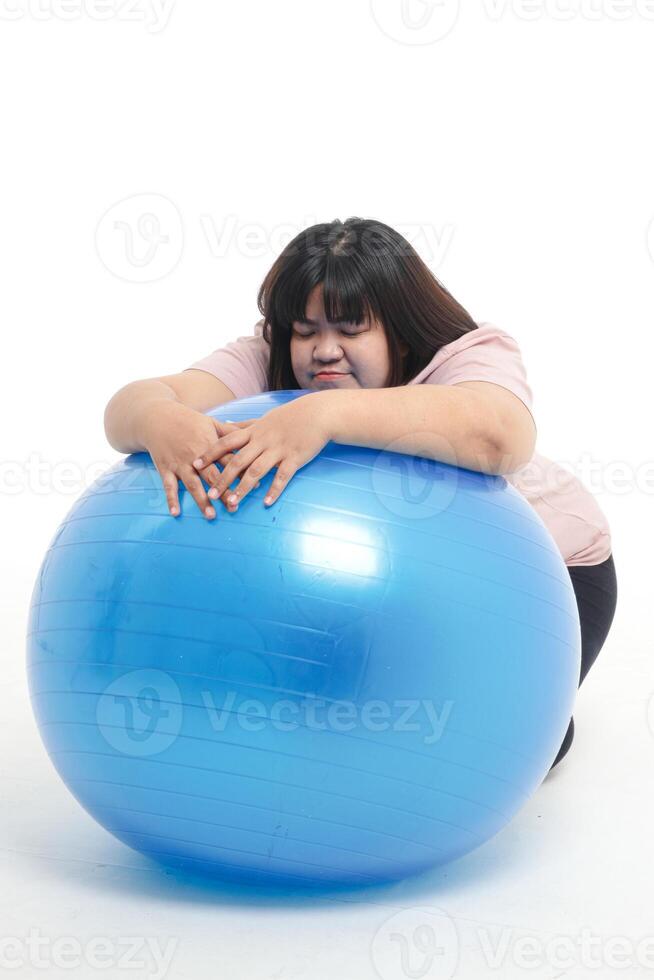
{"x": 327, "y": 351}
{"x": 329, "y": 364}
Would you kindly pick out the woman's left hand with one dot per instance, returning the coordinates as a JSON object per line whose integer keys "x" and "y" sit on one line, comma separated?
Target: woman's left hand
{"x": 287, "y": 437}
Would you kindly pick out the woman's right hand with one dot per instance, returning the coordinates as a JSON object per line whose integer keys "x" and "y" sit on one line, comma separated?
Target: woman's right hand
{"x": 175, "y": 435}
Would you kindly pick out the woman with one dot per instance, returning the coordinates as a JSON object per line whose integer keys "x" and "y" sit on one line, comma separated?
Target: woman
{"x": 351, "y": 313}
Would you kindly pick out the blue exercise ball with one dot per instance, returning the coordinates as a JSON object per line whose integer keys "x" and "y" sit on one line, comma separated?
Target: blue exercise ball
{"x": 366, "y": 679}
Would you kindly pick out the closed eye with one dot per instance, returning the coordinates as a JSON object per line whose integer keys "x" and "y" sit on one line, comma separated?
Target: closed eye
{"x": 346, "y": 333}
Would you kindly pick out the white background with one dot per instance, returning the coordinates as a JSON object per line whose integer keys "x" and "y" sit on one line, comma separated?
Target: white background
{"x": 513, "y": 144}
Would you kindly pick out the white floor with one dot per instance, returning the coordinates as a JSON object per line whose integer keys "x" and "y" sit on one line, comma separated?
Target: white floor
{"x": 565, "y": 890}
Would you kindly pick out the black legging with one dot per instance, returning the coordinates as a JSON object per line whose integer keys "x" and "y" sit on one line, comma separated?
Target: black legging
{"x": 596, "y": 590}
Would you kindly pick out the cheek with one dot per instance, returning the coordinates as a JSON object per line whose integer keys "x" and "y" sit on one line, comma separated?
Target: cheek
{"x": 298, "y": 358}
{"x": 376, "y": 359}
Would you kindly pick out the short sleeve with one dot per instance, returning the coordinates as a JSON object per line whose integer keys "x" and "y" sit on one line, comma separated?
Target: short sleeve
{"x": 485, "y": 354}
{"x": 242, "y": 364}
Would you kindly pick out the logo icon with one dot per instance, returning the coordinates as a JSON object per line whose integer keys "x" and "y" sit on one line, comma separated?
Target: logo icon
{"x": 140, "y": 713}
{"x": 416, "y": 21}
{"x": 416, "y": 942}
{"x": 140, "y": 239}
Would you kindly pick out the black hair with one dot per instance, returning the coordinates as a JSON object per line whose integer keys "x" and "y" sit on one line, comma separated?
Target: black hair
{"x": 368, "y": 270}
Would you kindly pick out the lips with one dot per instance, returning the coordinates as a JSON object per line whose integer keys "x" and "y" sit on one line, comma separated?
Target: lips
{"x": 330, "y": 374}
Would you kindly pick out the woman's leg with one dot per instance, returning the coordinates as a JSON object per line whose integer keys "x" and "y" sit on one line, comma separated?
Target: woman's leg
{"x": 596, "y": 591}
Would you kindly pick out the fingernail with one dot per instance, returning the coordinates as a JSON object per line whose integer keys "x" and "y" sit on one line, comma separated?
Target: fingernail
{"x": 213, "y": 493}
{"x": 209, "y": 511}
{"x": 232, "y": 498}
{"x": 197, "y": 462}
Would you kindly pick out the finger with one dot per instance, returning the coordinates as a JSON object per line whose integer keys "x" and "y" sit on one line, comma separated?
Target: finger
{"x": 251, "y": 477}
{"x": 237, "y": 464}
{"x": 227, "y": 494}
{"x": 284, "y": 473}
{"x": 195, "y": 487}
{"x": 171, "y": 489}
{"x": 211, "y": 475}
{"x": 227, "y": 443}
{"x": 229, "y": 422}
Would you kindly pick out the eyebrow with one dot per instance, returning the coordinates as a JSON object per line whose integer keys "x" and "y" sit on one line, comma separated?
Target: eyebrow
{"x": 314, "y": 323}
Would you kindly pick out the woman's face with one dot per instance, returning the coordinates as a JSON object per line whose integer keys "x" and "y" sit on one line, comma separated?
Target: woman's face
{"x": 358, "y": 352}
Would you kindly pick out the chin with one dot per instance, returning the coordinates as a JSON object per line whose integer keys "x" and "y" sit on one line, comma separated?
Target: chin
{"x": 316, "y": 384}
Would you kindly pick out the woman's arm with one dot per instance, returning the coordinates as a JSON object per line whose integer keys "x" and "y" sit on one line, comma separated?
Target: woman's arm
{"x": 474, "y": 424}
{"x": 127, "y": 411}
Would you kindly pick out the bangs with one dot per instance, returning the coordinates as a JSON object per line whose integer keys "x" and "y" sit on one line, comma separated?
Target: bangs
{"x": 346, "y": 296}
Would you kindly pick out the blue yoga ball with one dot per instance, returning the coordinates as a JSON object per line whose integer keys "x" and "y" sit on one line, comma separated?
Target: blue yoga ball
{"x": 366, "y": 679}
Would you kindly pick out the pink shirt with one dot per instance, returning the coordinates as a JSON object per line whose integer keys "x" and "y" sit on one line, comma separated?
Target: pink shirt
{"x": 568, "y": 510}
